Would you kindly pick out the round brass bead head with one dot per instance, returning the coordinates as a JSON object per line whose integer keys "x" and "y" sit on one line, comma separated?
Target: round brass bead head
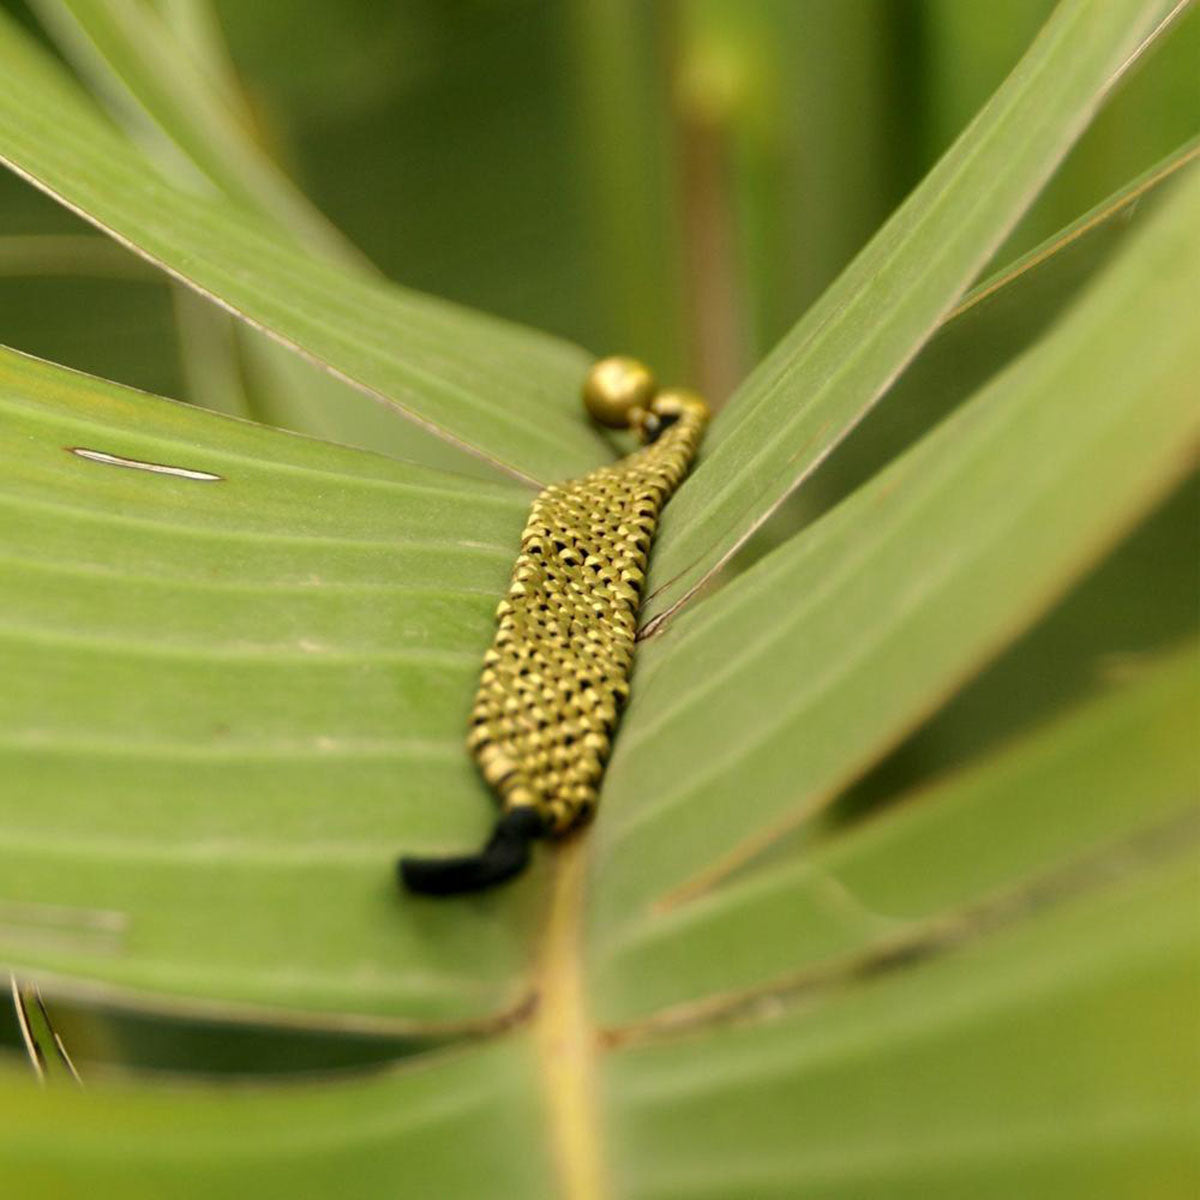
{"x": 615, "y": 388}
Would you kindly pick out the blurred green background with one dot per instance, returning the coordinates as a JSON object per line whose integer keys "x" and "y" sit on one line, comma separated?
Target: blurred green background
{"x": 674, "y": 180}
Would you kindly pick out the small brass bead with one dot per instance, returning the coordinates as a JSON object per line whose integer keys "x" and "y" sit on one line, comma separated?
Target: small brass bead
{"x": 615, "y": 388}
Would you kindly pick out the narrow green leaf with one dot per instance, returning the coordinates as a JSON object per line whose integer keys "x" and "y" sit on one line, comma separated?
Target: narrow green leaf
{"x": 183, "y": 112}
{"x": 231, "y": 702}
{"x": 1054, "y": 1058}
{"x": 994, "y": 322}
{"x": 817, "y": 384}
{"x": 197, "y": 27}
{"x": 508, "y": 393}
{"x": 465, "y": 1124}
{"x": 755, "y": 708}
{"x": 931, "y": 866}
{"x": 1155, "y": 111}
{"x": 128, "y": 47}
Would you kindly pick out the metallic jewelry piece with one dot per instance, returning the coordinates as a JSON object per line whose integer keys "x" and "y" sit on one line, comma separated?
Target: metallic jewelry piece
{"x": 557, "y": 674}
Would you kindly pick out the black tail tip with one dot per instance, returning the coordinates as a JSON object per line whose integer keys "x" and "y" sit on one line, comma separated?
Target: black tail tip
{"x": 505, "y": 856}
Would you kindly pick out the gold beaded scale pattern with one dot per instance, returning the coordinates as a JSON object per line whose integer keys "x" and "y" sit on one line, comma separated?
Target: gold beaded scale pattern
{"x": 557, "y": 673}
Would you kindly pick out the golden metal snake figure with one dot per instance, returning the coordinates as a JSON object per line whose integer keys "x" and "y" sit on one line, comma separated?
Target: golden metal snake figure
{"x": 557, "y": 674}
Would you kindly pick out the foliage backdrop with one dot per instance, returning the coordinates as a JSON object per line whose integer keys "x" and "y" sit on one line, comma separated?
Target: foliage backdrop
{"x": 893, "y": 889}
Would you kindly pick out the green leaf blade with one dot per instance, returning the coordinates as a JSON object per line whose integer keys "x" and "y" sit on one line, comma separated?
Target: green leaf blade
{"x": 508, "y": 393}
{"x": 1114, "y": 771}
{"x": 812, "y": 390}
{"x": 233, "y": 702}
{"x": 130, "y": 48}
{"x": 871, "y": 617}
{"x": 189, "y": 120}
{"x": 994, "y": 322}
{"x": 1045, "y": 1060}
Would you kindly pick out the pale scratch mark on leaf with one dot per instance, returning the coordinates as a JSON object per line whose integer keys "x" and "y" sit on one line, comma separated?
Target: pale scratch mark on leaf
{"x": 116, "y": 460}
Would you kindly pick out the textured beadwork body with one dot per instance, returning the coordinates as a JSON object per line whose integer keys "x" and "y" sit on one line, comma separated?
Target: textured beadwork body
{"x": 558, "y": 671}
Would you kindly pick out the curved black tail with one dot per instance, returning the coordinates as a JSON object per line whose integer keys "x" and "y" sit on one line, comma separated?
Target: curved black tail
{"x": 505, "y": 855}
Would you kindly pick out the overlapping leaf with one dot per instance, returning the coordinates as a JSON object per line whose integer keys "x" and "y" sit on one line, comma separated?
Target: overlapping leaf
{"x": 1000, "y": 317}
{"x": 780, "y": 689}
{"x": 1032, "y": 1043}
{"x": 809, "y": 393}
{"x": 238, "y": 666}
{"x": 131, "y": 47}
{"x": 188, "y": 120}
{"x": 509, "y": 393}
{"x": 1066, "y": 804}
{"x": 229, "y": 702}
{"x": 1044, "y": 1061}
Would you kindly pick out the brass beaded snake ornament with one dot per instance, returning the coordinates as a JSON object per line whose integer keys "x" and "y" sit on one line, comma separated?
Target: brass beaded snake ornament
{"x": 557, "y": 673}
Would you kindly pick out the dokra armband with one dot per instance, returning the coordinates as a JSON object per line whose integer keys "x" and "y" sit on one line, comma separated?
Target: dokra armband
{"x": 557, "y": 673}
